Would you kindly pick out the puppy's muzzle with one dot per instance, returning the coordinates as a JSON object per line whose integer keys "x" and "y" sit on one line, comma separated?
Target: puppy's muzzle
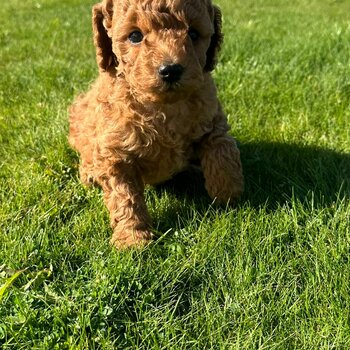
{"x": 171, "y": 73}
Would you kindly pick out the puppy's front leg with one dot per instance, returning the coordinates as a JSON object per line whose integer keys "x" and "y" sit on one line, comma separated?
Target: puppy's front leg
{"x": 124, "y": 197}
{"x": 221, "y": 164}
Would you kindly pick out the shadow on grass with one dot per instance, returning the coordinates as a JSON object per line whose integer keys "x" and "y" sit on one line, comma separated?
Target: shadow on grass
{"x": 276, "y": 172}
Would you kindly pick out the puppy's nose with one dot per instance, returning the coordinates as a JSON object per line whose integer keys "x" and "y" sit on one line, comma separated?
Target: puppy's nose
{"x": 171, "y": 73}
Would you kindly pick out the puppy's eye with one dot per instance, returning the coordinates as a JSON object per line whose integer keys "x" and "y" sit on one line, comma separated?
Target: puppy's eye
{"x": 135, "y": 37}
{"x": 193, "y": 34}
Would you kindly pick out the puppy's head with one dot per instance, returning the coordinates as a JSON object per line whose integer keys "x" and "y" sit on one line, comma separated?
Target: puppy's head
{"x": 162, "y": 48}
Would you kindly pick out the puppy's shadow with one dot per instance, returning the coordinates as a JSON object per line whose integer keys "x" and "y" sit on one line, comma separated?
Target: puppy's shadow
{"x": 188, "y": 184}
{"x": 274, "y": 173}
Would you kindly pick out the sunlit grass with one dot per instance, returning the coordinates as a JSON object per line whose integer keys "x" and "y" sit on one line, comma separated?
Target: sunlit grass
{"x": 272, "y": 273}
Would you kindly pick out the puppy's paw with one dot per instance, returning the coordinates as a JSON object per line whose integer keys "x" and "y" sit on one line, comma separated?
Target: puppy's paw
{"x": 225, "y": 188}
{"x": 131, "y": 238}
{"x": 86, "y": 177}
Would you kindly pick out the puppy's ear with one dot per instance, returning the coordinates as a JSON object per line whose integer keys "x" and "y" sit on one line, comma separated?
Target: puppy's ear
{"x": 216, "y": 41}
{"x": 102, "y": 25}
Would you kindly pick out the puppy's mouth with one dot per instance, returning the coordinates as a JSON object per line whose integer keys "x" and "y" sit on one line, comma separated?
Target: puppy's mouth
{"x": 173, "y": 92}
{"x": 170, "y": 88}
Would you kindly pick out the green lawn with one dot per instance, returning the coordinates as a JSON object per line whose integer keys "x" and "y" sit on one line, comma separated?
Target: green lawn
{"x": 273, "y": 273}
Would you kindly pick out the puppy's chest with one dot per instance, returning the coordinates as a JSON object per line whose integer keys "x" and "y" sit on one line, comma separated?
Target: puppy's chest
{"x": 172, "y": 144}
{"x": 176, "y": 129}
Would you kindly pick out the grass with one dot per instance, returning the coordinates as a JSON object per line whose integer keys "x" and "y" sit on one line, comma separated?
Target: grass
{"x": 272, "y": 273}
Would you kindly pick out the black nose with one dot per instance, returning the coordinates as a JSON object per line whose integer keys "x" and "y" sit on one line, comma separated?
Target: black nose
{"x": 171, "y": 73}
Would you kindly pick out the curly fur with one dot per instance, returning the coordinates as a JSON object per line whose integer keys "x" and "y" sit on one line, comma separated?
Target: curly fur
{"x": 132, "y": 128}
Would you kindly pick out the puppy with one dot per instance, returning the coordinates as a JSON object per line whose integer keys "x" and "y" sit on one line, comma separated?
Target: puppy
{"x": 153, "y": 108}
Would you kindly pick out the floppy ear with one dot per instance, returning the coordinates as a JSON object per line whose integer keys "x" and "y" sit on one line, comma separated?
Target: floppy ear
{"x": 216, "y": 41}
{"x": 101, "y": 24}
